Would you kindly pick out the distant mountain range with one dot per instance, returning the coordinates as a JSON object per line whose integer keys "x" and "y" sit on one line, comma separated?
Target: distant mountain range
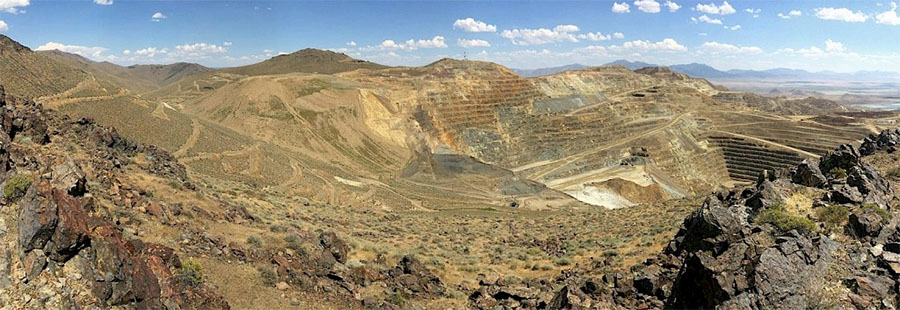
{"x": 708, "y": 72}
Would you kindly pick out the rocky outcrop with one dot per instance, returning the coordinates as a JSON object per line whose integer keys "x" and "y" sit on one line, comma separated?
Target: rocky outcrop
{"x": 747, "y": 249}
{"x": 886, "y": 141}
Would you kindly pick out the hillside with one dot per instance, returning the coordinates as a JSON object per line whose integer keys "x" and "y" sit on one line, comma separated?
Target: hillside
{"x": 137, "y": 78}
{"x": 306, "y": 61}
{"x": 548, "y": 71}
{"x": 29, "y": 74}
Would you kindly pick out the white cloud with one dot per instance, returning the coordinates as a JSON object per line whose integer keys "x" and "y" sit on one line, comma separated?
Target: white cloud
{"x": 157, "y": 16}
{"x": 151, "y": 51}
{"x": 666, "y": 44}
{"x": 735, "y": 27}
{"x": 888, "y": 17}
{"x": 672, "y": 6}
{"x": 559, "y": 33}
{"x": 724, "y": 48}
{"x": 3, "y": 26}
{"x": 841, "y": 14}
{"x": 472, "y": 43}
{"x": 391, "y": 45}
{"x": 594, "y": 36}
{"x": 93, "y": 52}
{"x": 752, "y": 10}
{"x": 12, "y": 6}
{"x": 792, "y": 13}
{"x": 647, "y": 6}
{"x": 618, "y": 35}
{"x": 198, "y": 50}
{"x": 226, "y": 44}
{"x": 126, "y": 52}
{"x": 707, "y": 19}
{"x": 621, "y": 7}
{"x": 472, "y": 25}
{"x": 712, "y": 8}
{"x": 833, "y": 46}
{"x": 351, "y": 43}
{"x": 103, "y": 2}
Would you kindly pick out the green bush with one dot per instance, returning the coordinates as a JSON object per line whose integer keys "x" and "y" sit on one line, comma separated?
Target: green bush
{"x": 833, "y": 216}
{"x": 838, "y": 173}
{"x": 268, "y": 275}
{"x": 784, "y": 221}
{"x": 255, "y": 241}
{"x": 190, "y": 273}
{"x": 563, "y": 261}
{"x": 884, "y": 214}
{"x": 16, "y": 186}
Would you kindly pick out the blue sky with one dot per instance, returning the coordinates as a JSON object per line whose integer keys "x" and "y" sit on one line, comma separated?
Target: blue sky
{"x": 813, "y": 35}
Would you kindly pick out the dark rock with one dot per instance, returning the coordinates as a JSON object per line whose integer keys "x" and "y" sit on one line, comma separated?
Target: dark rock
{"x": 37, "y": 218}
{"x": 766, "y": 195}
{"x": 35, "y": 262}
{"x": 334, "y": 245}
{"x": 807, "y": 173}
{"x": 844, "y": 157}
{"x": 887, "y": 141}
{"x": 709, "y": 228}
{"x": 411, "y": 274}
{"x": 844, "y": 194}
{"x": 72, "y": 233}
{"x": 865, "y": 223}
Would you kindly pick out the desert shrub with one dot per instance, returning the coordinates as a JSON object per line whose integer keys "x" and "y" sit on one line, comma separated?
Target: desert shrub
{"x": 190, "y": 273}
{"x": 884, "y": 214}
{"x": 16, "y": 186}
{"x": 295, "y": 243}
{"x": 397, "y": 298}
{"x": 894, "y": 172}
{"x": 838, "y": 173}
{"x": 784, "y": 221}
{"x": 833, "y": 216}
{"x": 255, "y": 241}
{"x": 563, "y": 261}
{"x": 268, "y": 275}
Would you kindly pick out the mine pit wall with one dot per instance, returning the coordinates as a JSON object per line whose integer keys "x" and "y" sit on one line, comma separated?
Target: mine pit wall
{"x": 746, "y": 160}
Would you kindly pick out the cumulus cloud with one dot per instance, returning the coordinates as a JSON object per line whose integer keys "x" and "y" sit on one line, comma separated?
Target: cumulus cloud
{"x": 833, "y": 46}
{"x": 198, "y": 50}
{"x": 647, "y": 6}
{"x": 391, "y": 45}
{"x": 472, "y": 43}
{"x": 472, "y": 25}
{"x": 594, "y": 36}
{"x": 672, "y": 6}
{"x": 792, "y": 13}
{"x": 151, "y": 51}
{"x": 735, "y": 27}
{"x": 712, "y": 8}
{"x": 103, "y": 2}
{"x": 351, "y": 43}
{"x": 126, "y": 52}
{"x": 841, "y": 14}
{"x": 666, "y": 44}
{"x": 92, "y": 52}
{"x": 621, "y": 8}
{"x": 13, "y": 6}
{"x": 725, "y": 48}
{"x": 706, "y": 19}
{"x": 560, "y": 33}
{"x": 618, "y": 35}
{"x": 157, "y": 16}
{"x": 889, "y": 17}
{"x": 3, "y": 26}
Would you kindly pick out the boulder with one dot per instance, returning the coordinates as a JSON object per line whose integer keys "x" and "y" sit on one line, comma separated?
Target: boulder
{"x": 69, "y": 177}
{"x": 72, "y": 233}
{"x": 709, "y": 228}
{"x": 886, "y": 141}
{"x": 37, "y": 219}
{"x": 807, "y": 173}
{"x": 334, "y": 245}
{"x": 844, "y": 157}
{"x": 865, "y": 222}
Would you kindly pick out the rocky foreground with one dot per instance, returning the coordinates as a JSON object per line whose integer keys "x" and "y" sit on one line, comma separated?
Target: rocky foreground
{"x": 822, "y": 235}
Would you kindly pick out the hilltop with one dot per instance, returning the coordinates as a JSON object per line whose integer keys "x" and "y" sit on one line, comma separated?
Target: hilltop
{"x": 307, "y": 61}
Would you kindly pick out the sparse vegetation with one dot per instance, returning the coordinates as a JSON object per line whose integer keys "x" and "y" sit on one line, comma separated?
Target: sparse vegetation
{"x": 16, "y": 186}
{"x": 190, "y": 273}
{"x": 268, "y": 276}
{"x": 838, "y": 173}
{"x": 255, "y": 241}
{"x": 884, "y": 214}
{"x": 833, "y": 216}
{"x": 784, "y": 221}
